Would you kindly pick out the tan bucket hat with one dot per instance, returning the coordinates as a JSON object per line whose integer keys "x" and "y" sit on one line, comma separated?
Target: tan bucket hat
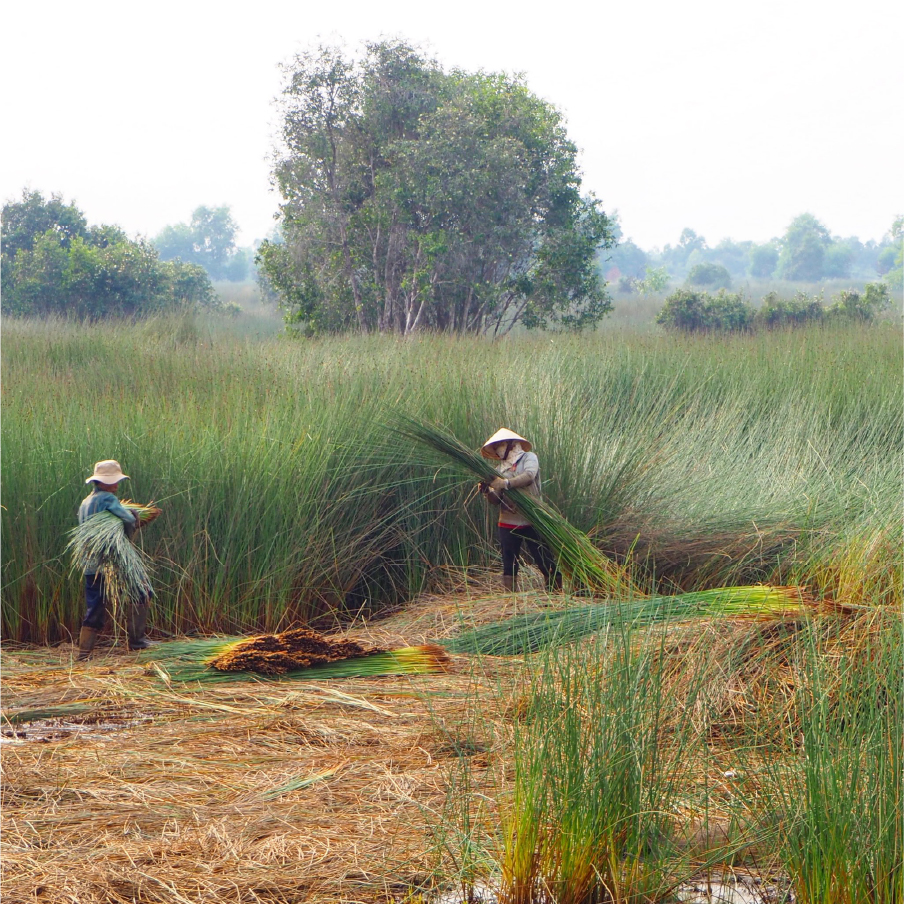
{"x": 107, "y": 472}
{"x": 503, "y": 435}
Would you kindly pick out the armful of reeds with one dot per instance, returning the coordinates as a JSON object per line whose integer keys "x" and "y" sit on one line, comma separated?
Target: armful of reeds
{"x": 577, "y": 557}
{"x": 144, "y": 514}
{"x": 103, "y": 541}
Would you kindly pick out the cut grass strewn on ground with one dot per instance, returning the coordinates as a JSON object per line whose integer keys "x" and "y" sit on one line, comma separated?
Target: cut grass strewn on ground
{"x": 631, "y": 761}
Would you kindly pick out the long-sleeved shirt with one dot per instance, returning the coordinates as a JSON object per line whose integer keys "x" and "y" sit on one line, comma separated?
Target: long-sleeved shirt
{"x": 103, "y": 501}
{"x": 526, "y": 463}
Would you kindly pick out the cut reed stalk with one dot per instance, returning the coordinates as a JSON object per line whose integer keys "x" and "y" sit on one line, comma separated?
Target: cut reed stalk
{"x": 541, "y": 630}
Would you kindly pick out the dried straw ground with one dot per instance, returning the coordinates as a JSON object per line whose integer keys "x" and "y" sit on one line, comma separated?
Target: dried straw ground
{"x": 251, "y": 792}
{"x": 164, "y": 793}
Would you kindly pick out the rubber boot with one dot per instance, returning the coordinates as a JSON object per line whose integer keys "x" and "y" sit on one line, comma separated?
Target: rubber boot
{"x": 137, "y": 628}
{"x": 86, "y": 639}
{"x": 508, "y": 583}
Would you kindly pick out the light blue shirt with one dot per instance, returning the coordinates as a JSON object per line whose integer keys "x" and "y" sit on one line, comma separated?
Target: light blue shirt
{"x": 103, "y": 501}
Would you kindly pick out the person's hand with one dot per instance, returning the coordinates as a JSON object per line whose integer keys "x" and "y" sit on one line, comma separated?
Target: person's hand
{"x": 498, "y": 484}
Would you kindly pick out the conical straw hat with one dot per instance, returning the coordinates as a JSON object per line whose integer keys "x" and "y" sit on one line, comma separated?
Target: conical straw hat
{"x": 107, "y": 472}
{"x": 501, "y": 436}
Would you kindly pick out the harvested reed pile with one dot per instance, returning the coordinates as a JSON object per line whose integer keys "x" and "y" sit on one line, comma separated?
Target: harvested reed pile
{"x": 276, "y": 654}
{"x": 274, "y": 792}
{"x": 541, "y": 630}
{"x": 298, "y": 654}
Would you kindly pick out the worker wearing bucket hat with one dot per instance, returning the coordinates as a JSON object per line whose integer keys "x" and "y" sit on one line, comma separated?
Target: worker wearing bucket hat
{"x": 104, "y": 481}
{"x": 519, "y": 469}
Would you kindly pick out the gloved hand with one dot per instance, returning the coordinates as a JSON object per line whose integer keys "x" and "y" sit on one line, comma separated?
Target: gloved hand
{"x": 520, "y": 480}
{"x": 498, "y": 484}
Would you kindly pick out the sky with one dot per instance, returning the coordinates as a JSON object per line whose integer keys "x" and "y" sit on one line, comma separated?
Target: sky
{"x": 730, "y": 118}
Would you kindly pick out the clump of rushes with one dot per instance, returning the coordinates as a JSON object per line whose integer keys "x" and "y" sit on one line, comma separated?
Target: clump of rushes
{"x": 102, "y": 538}
{"x": 592, "y": 816}
{"x": 586, "y": 566}
{"x": 582, "y": 563}
{"x": 542, "y": 630}
{"x": 226, "y": 659}
{"x": 839, "y": 806}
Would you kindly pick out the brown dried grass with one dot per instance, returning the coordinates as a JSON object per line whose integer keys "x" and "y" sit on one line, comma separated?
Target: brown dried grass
{"x": 163, "y": 794}
{"x": 160, "y": 794}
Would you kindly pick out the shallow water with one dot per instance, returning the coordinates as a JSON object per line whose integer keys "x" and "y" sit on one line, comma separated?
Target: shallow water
{"x": 712, "y": 889}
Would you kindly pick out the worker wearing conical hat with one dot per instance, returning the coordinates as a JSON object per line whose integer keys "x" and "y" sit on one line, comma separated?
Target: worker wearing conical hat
{"x": 519, "y": 469}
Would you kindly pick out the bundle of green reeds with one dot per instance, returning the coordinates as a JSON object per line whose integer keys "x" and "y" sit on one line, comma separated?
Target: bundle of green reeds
{"x": 540, "y": 630}
{"x": 102, "y": 540}
{"x": 293, "y": 655}
{"x": 581, "y": 562}
{"x": 145, "y": 513}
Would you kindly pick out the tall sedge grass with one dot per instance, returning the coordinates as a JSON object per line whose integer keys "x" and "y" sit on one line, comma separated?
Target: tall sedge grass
{"x": 839, "y": 803}
{"x": 589, "y": 801}
{"x": 285, "y": 498}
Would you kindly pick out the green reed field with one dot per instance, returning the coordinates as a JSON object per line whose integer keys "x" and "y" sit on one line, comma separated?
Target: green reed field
{"x": 613, "y": 769}
{"x": 286, "y": 495}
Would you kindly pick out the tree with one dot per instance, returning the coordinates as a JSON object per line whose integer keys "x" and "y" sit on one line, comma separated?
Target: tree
{"x": 54, "y": 264}
{"x": 894, "y": 272}
{"x": 839, "y": 258}
{"x": 764, "y": 260}
{"x": 417, "y": 198}
{"x": 713, "y": 276}
{"x": 655, "y": 280}
{"x": 624, "y": 259}
{"x": 207, "y": 241}
{"x": 677, "y": 258}
{"x": 733, "y": 256}
{"x": 24, "y": 220}
{"x": 804, "y": 249}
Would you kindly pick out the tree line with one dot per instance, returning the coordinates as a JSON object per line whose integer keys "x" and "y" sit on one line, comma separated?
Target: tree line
{"x": 806, "y": 252}
{"x": 54, "y": 263}
{"x": 414, "y": 197}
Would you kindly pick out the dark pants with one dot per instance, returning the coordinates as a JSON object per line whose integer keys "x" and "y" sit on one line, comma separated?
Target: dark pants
{"x": 96, "y": 601}
{"x": 511, "y": 538}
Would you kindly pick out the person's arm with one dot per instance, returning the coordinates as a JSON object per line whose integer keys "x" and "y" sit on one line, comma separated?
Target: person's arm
{"x": 112, "y": 504}
{"x": 528, "y": 475}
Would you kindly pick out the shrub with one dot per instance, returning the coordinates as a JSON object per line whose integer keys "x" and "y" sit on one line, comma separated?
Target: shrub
{"x": 777, "y": 313}
{"x": 691, "y": 311}
{"x": 709, "y": 275}
{"x": 53, "y": 264}
{"x": 861, "y": 306}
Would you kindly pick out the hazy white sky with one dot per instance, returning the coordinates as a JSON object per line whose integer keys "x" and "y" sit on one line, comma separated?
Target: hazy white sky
{"x": 728, "y": 117}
